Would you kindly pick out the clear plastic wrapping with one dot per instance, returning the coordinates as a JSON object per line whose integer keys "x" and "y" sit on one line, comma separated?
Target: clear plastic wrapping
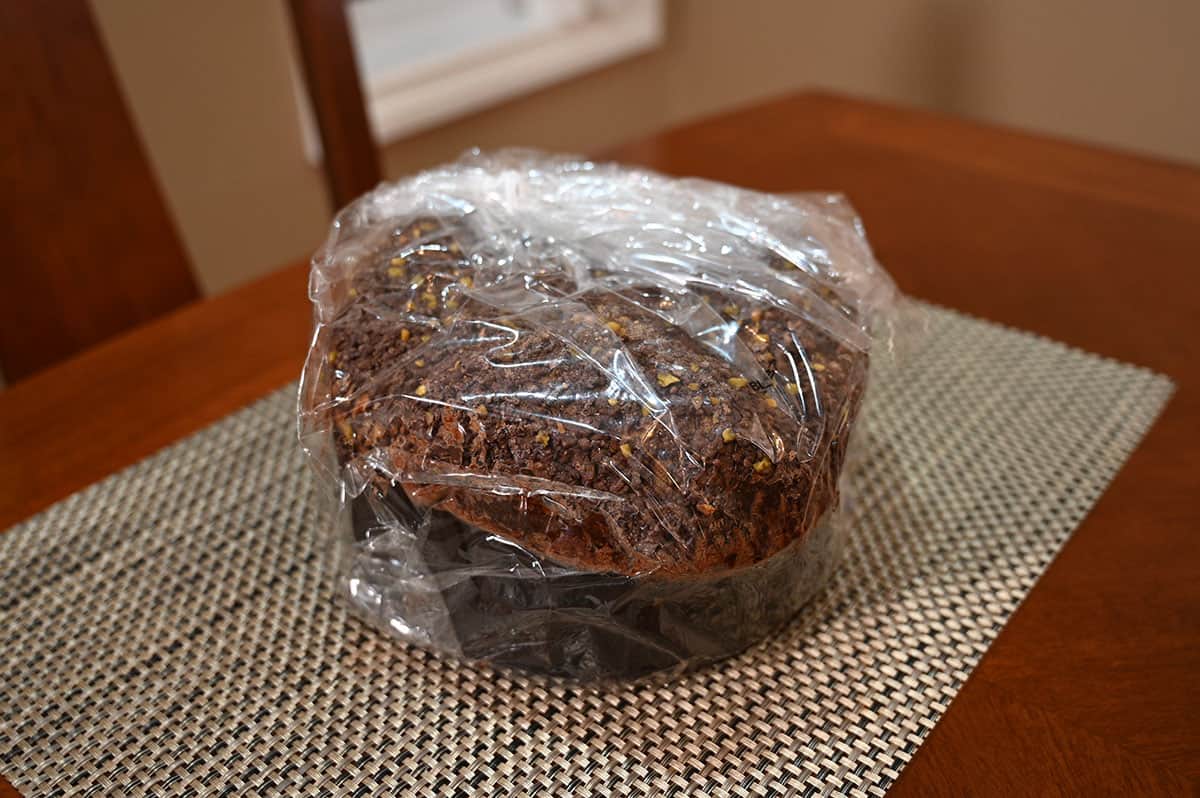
{"x": 587, "y": 419}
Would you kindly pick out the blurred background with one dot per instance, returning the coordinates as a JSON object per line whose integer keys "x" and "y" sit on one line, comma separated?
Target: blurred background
{"x": 216, "y": 93}
{"x": 212, "y": 85}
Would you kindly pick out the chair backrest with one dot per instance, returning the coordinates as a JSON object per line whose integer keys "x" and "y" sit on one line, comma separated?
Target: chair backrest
{"x": 87, "y": 247}
{"x": 351, "y": 160}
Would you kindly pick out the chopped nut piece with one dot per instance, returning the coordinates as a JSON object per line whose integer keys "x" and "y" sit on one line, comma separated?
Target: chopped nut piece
{"x": 667, "y": 379}
{"x": 818, "y": 366}
{"x": 762, "y": 338}
{"x": 771, "y": 403}
{"x": 793, "y": 388}
{"x": 421, "y": 390}
{"x": 395, "y": 271}
{"x": 425, "y": 338}
{"x": 626, "y": 450}
{"x": 481, "y": 410}
{"x": 428, "y": 418}
{"x": 615, "y": 327}
{"x": 738, "y": 382}
{"x": 398, "y": 261}
{"x": 693, "y": 386}
{"x": 706, "y": 508}
{"x": 730, "y": 310}
{"x": 763, "y": 465}
{"x": 455, "y": 248}
{"x": 558, "y": 426}
{"x": 467, "y": 281}
{"x": 612, "y": 401}
{"x": 332, "y": 357}
{"x": 728, "y": 435}
{"x": 695, "y": 367}
{"x": 645, "y": 410}
{"x": 405, "y": 334}
{"x": 543, "y": 438}
{"x": 452, "y": 303}
{"x": 419, "y": 363}
{"x": 697, "y": 402}
{"x": 353, "y": 292}
{"x": 430, "y": 299}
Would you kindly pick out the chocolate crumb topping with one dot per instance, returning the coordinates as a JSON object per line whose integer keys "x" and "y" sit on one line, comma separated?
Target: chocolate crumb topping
{"x": 606, "y": 422}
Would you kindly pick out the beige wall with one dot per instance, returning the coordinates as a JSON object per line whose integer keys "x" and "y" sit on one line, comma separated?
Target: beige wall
{"x": 208, "y": 84}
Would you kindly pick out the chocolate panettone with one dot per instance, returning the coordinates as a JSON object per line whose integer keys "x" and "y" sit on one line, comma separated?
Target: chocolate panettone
{"x": 585, "y": 444}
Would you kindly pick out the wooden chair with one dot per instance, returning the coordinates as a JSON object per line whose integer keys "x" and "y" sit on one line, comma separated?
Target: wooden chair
{"x": 351, "y": 160}
{"x": 87, "y": 248}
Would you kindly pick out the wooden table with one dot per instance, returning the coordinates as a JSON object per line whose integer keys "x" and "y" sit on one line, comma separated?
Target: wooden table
{"x": 1094, "y": 686}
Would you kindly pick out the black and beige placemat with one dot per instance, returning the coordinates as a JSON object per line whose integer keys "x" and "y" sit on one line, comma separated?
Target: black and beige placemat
{"x": 173, "y": 630}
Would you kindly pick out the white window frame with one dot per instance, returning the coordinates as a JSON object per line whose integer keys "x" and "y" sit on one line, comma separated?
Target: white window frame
{"x": 593, "y": 34}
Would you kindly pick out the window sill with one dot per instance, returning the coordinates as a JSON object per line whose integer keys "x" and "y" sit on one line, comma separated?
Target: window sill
{"x": 401, "y": 104}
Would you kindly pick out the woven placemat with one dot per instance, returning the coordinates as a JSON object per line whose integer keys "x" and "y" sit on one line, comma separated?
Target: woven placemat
{"x": 174, "y": 629}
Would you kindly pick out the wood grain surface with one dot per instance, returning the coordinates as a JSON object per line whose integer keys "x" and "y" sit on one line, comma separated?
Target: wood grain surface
{"x": 89, "y": 248}
{"x": 1093, "y": 688}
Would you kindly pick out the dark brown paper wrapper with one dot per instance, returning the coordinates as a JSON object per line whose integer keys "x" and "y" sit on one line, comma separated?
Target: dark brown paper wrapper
{"x": 512, "y": 609}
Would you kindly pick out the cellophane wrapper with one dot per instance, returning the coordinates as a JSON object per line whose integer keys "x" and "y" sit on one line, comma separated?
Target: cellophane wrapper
{"x": 586, "y": 419}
